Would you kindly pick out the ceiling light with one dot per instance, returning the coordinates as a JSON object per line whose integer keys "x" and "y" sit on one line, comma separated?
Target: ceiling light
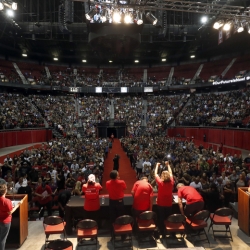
{"x": 10, "y": 12}
{"x": 91, "y": 13}
{"x": 84, "y": 60}
{"x": 116, "y": 16}
{"x": 192, "y": 56}
{"x": 104, "y": 15}
{"x": 240, "y": 28}
{"x": 151, "y": 18}
{"x": 227, "y": 26}
{"x": 55, "y": 59}
{"x": 136, "y": 61}
{"x": 204, "y": 19}
{"x": 248, "y": 29}
{"x": 218, "y": 24}
{"x": 24, "y": 55}
{"x": 14, "y": 6}
{"x": 128, "y": 18}
{"x": 163, "y": 59}
{"x": 110, "y": 61}
{"x": 139, "y": 18}
{"x": 1, "y": 6}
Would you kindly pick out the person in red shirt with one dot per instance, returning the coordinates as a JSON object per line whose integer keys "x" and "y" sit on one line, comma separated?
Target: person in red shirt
{"x": 92, "y": 202}
{"x": 6, "y": 211}
{"x": 44, "y": 194}
{"x": 115, "y": 188}
{"x": 165, "y": 195}
{"x": 194, "y": 201}
{"x": 142, "y": 193}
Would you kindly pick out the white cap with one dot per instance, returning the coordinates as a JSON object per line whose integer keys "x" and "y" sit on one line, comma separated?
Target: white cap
{"x": 91, "y": 178}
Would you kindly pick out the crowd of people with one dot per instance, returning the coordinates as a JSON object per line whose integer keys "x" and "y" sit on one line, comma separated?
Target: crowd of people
{"x": 74, "y": 166}
{"x": 66, "y": 113}
{"x": 60, "y": 164}
{"x": 197, "y": 167}
{"x": 17, "y": 112}
{"x": 208, "y": 109}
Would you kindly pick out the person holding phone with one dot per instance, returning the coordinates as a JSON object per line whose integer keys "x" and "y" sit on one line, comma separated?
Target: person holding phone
{"x": 164, "y": 200}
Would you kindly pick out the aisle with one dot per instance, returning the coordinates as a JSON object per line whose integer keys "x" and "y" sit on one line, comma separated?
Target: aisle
{"x": 125, "y": 171}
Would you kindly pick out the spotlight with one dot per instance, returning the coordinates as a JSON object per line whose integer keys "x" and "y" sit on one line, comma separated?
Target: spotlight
{"x": 14, "y": 6}
{"x": 240, "y": 28}
{"x": 55, "y": 59}
{"x": 218, "y": 24}
{"x": 1, "y": 6}
{"x": 116, "y": 16}
{"x": 104, "y": 14}
{"x": 24, "y": 55}
{"x": 128, "y": 18}
{"x": 136, "y": 61}
{"x": 192, "y": 56}
{"x": 227, "y": 26}
{"x": 139, "y": 18}
{"x": 163, "y": 59}
{"x": 151, "y": 18}
{"x": 91, "y": 13}
{"x": 10, "y": 12}
{"x": 248, "y": 29}
{"x": 110, "y": 61}
{"x": 84, "y": 61}
{"x": 204, "y": 19}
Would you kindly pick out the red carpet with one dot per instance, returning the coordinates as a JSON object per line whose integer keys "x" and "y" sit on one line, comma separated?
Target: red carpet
{"x": 125, "y": 171}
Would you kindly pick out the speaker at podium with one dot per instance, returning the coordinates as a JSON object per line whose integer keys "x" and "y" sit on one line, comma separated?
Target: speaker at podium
{"x": 19, "y": 224}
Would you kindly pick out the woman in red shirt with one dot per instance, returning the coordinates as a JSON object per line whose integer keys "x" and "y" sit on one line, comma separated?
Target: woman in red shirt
{"x": 165, "y": 195}
{"x": 92, "y": 203}
{"x": 5, "y": 215}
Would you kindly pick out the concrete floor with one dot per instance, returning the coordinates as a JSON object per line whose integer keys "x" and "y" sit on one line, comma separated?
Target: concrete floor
{"x": 241, "y": 241}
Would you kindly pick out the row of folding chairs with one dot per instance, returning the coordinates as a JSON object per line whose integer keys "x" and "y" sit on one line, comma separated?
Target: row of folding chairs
{"x": 176, "y": 224}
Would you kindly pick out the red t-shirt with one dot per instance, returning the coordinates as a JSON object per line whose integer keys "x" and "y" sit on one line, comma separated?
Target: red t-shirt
{"x": 190, "y": 194}
{"x": 165, "y": 192}
{"x": 5, "y": 208}
{"x": 142, "y": 194}
{"x": 45, "y": 191}
{"x": 92, "y": 202}
{"x": 116, "y": 189}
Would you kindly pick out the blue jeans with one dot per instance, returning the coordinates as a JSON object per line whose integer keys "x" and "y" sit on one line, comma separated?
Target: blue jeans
{"x": 4, "y": 231}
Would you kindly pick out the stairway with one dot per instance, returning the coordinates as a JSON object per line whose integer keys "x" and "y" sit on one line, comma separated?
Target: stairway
{"x": 34, "y": 108}
{"x": 20, "y": 74}
{"x": 80, "y": 130}
{"x": 186, "y": 104}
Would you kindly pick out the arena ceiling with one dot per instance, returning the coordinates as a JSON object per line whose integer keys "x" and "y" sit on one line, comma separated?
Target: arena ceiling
{"x": 38, "y": 31}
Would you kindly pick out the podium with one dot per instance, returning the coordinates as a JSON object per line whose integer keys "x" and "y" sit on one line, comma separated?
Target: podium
{"x": 19, "y": 224}
{"x": 243, "y": 210}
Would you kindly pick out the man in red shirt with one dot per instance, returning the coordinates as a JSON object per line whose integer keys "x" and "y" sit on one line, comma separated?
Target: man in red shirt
{"x": 142, "y": 192}
{"x": 194, "y": 201}
{"x": 115, "y": 188}
{"x": 44, "y": 194}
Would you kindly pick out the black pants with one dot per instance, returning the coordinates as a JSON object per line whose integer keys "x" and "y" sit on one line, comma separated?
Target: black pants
{"x": 163, "y": 213}
{"x": 61, "y": 212}
{"x": 48, "y": 206}
{"x": 135, "y": 214}
{"x": 116, "y": 209}
{"x": 92, "y": 215}
{"x": 192, "y": 209}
